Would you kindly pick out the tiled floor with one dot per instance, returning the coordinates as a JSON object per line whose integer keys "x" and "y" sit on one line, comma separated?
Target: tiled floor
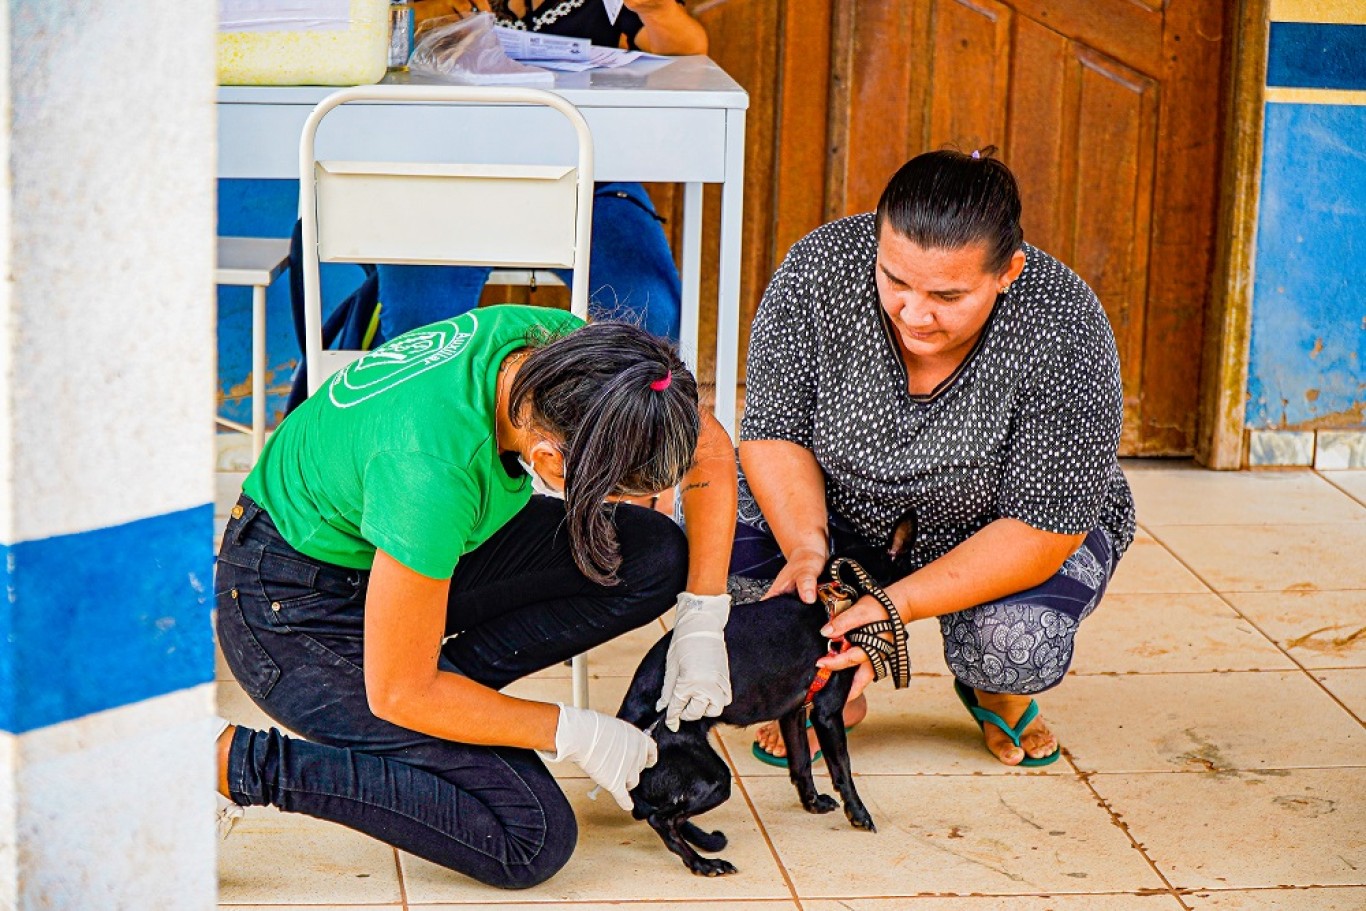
{"x": 1215, "y": 758}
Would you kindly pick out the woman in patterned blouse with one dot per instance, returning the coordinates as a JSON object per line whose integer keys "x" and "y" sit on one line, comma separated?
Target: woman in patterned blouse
{"x": 923, "y": 360}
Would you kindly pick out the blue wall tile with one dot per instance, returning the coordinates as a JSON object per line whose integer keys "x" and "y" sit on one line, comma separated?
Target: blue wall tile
{"x": 1317, "y": 55}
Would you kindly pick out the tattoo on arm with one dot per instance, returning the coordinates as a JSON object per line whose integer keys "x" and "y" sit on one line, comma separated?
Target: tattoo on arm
{"x": 696, "y": 485}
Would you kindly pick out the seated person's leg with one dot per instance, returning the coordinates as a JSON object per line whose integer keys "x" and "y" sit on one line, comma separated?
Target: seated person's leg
{"x": 1002, "y": 653}
{"x": 412, "y": 296}
{"x": 632, "y": 274}
{"x": 755, "y": 557}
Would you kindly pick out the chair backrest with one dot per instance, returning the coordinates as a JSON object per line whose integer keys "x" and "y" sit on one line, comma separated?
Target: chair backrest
{"x": 438, "y": 213}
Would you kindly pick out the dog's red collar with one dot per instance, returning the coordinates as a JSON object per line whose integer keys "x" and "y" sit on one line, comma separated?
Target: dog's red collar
{"x": 822, "y": 676}
{"x": 817, "y": 684}
{"x": 836, "y": 598}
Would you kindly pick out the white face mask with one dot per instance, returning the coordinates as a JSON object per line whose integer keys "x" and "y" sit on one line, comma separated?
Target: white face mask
{"x": 538, "y": 484}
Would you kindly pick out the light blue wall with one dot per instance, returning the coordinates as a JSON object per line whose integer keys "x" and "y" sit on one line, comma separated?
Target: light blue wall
{"x": 1309, "y": 291}
{"x": 1309, "y": 294}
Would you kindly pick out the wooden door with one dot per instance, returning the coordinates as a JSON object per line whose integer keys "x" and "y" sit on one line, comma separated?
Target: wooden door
{"x": 1108, "y": 111}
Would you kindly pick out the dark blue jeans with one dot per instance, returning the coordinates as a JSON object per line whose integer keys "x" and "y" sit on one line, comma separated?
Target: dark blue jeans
{"x": 631, "y": 272}
{"x": 291, "y": 630}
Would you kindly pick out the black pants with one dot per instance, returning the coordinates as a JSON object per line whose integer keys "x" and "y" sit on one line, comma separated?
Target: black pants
{"x": 291, "y": 630}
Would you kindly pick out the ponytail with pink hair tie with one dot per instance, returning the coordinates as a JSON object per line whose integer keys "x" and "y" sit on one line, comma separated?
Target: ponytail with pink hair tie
{"x": 661, "y": 385}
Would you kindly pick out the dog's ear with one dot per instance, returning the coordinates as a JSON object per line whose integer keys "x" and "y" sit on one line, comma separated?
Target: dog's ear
{"x": 903, "y": 538}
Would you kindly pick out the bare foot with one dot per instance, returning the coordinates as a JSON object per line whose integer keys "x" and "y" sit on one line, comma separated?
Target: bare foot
{"x": 770, "y": 738}
{"x": 224, "y": 742}
{"x": 1038, "y": 741}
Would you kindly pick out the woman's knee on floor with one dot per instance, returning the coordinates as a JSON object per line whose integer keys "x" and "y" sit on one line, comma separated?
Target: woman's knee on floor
{"x": 530, "y": 865}
{"x": 532, "y": 848}
{"x": 1017, "y": 648}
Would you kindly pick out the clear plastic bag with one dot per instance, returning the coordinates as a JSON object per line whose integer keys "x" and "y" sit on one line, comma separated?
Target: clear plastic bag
{"x": 456, "y": 49}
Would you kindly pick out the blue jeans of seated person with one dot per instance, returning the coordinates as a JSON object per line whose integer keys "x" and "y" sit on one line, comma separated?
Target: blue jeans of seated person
{"x": 1020, "y": 644}
{"x": 632, "y": 274}
{"x": 291, "y": 630}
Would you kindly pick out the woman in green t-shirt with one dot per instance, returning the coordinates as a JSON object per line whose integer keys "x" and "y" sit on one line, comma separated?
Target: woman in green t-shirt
{"x": 387, "y": 570}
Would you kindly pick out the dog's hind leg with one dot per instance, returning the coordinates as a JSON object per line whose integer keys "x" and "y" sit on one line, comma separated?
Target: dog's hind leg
{"x": 689, "y": 779}
{"x": 793, "y": 728}
{"x": 711, "y": 842}
{"x": 670, "y": 832}
{"x": 827, "y": 718}
{"x": 707, "y": 790}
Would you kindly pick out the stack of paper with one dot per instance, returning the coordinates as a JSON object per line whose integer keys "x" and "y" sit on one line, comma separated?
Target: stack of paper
{"x": 558, "y": 52}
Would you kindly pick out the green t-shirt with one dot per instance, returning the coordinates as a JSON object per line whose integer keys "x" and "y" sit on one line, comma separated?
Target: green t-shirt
{"x": 398, "y": 450}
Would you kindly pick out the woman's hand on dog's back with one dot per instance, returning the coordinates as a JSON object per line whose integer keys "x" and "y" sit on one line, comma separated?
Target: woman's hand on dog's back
{"x": 800, "y": 575}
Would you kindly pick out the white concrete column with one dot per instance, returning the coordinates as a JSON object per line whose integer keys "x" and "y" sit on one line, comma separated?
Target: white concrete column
{"x": 106, "y": 452}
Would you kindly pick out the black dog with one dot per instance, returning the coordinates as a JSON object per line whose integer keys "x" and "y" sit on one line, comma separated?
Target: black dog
{"x": 773, "y": 646}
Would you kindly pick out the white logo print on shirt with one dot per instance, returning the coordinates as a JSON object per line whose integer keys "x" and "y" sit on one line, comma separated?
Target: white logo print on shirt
{"x": 396, "y": 362}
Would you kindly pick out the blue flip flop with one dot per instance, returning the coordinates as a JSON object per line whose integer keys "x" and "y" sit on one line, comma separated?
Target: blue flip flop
{"x": 768, "y": 758}
{"x": 984, "y": 716}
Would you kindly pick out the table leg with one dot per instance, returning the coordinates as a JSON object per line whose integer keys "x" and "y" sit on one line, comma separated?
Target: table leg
{"x": 579, "y": 670}
{"x": 692, "y": 273}
{"x": 258, "y": 370}
{"x": 728, "y": 273}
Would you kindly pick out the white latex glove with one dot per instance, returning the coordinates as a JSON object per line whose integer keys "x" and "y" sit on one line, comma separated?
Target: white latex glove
{"x": 612, "y": 752}
{"x": 697, "y": 671}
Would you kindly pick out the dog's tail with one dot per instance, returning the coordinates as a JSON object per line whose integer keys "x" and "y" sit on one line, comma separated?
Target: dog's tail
{"x": 711, "y": 842}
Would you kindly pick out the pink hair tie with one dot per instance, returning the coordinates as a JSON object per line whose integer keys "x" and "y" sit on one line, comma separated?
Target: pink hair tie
{"x": 661, "y": 385}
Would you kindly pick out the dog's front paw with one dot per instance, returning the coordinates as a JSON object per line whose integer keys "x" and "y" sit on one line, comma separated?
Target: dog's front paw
{"x": 823, "y": 803}
{"x": 858, "y": 817}
{"x": 711, "y": 866}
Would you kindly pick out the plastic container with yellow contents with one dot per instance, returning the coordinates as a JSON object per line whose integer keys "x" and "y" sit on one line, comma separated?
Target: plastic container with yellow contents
{"x": 302, "y": 42}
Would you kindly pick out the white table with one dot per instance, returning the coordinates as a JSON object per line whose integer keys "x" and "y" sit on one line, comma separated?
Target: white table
{"x": 681, "y": 121}
{"x": 253, "y": 262}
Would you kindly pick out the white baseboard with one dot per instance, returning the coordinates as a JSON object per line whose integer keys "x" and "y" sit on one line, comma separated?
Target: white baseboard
{"x": 1324, "y": 450}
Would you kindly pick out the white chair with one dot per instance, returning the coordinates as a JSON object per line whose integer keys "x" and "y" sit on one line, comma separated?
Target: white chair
{"x": 437, "y": 213}
{"x": 253, "y": 262}
{"x": 428, "y": 213}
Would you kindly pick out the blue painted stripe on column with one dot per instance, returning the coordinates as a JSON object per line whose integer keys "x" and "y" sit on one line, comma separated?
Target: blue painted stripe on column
{"x": 105, "y": 618}
{"x": 1317, "y": 55}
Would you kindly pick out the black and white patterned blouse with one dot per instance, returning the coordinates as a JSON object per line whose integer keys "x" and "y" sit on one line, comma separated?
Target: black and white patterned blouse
{"x": 575, "y": 18}
{"x": 1028, "y": 429}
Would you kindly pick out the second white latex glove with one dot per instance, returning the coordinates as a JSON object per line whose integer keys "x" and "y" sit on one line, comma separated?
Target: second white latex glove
{"x": 611, "y": 752}
{"x": 697, "y": 670}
